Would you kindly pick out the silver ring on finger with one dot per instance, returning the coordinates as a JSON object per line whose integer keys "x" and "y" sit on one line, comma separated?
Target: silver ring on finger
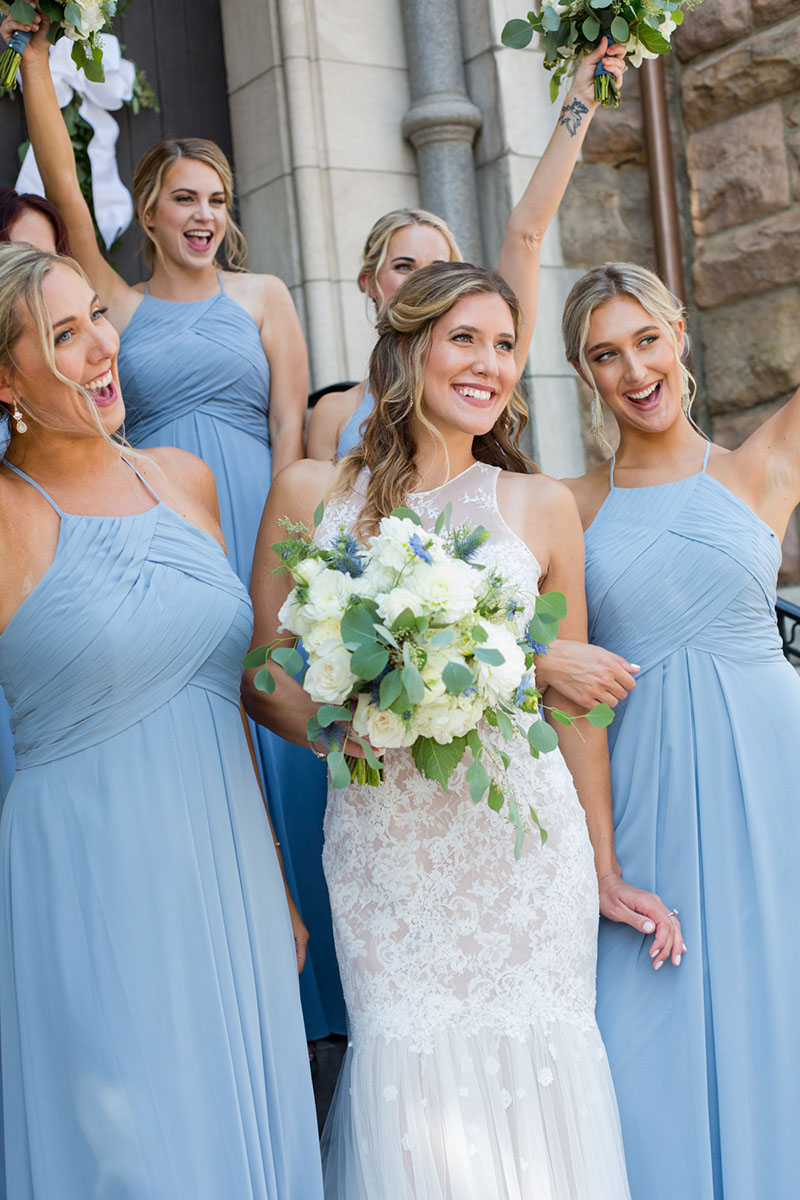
{"x": 673, "y": 912}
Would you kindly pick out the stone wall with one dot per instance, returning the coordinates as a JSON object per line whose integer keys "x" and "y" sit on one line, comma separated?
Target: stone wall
{"x": 734, "y": 89}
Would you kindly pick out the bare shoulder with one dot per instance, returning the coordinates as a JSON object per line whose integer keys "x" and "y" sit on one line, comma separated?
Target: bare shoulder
{"x": 589, "y": 491}
{"x": 259, "y": 293}
{"x": 300, "y": 486}
{"x": 534, "y": 496}
{"x": 179, "y": 465}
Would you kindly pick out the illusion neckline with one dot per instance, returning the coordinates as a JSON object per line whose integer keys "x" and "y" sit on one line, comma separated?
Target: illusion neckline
{"x": 447, "y": 482}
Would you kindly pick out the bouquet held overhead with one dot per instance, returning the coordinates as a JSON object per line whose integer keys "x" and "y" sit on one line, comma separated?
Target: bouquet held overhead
{"x": 574, "y": 28}
{"x": 412, "y": 642}
{"x": 79, "y": 20}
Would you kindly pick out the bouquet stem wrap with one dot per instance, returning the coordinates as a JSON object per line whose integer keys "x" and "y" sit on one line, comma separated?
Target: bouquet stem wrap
{"x": 12, "y": 57}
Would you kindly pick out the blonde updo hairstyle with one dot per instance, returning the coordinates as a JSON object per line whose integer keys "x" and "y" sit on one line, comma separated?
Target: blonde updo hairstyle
{"x": 376, "y": 247}
{"x": 623, "y": 279}
{"x": 150, "y": 175}
{"x": 397, "y": 380}
{"x": 23, "y": 270}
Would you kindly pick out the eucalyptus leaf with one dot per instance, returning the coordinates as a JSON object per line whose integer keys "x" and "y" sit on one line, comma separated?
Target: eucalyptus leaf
{"x": 369, "y": 753}
{"x": 340, "y": 772}
{"x": 474, "y": 743}
{"x": 387, "y": 636}
{"x": 438, "y": 762}
{"x": 620, "y": 30}
{"x": 289, "y": 658}
{"x": 357, "y": 627}
{"x": 495, "y": 797}
{"x": 551, "y": 604}
{"x": 391, "y": 687}
{"x": 542, "y": 629}
{"x": 263, "y": 681}
{"x": 602, "y": 3}
{"x": 457, "y": 678}
{"x": 413, "y": 684}
{"x": 24, "y": 13}
{"x": 406, "y": 513}
{"x": 256, "y": 658}
{"x": 404, "y": 622}
{"x": 591, "y": 29}
{"x": 504, "y": 725}
{"x": 542, "y": 737}
{"x": 328, "y": 713}
{"x": 369, "y": 660}
{"x": 600, "y": 716}
{"x": 319, "y": 513}
{"x": 442, "y": 638}
{"x": 479, "y": 634}
{"x": 550, "y": 19}
{"x": 562, "y": 717}
{"x": 493, "y": 658}
{"x": 477, "y": 780}
{"x": 516, "y": 34}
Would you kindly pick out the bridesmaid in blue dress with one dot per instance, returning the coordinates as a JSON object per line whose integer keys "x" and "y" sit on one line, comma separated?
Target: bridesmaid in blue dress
{"x": 152, "y": 1036}
{"x": 212, "y": 362}
{"x": 683, "y": 545}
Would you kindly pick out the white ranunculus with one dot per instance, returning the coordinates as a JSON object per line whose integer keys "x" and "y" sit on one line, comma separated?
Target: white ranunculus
{"x": 329, "y": 679}
{"x": 322, "y": 632}
{"x": 500, "y": 682}
{"x": 381, "y": 728}
{"x": 391, "y": 604}
{"x": 292, "y": 616}
{"x": 447, "y": 589}
{"x": 328, "y": 594}
{"x": 447, "y": 717}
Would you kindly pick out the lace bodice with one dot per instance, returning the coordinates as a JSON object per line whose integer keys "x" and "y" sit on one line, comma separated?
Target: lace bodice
{"x": 436, "y": 924}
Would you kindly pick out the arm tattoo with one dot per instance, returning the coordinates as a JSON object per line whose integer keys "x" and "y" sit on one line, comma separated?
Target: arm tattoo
{"x": 571, "y": 115}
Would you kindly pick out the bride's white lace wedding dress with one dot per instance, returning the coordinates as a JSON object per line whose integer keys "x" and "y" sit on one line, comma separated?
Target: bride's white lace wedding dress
{"x": 475, "y": 1069}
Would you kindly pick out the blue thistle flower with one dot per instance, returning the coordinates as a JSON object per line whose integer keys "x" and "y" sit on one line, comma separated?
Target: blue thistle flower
{"x": 536, "y": 647}
{"x": 346, "y": 556}
{"x": 416, "y": 546}
{"x": 466, "y": 542}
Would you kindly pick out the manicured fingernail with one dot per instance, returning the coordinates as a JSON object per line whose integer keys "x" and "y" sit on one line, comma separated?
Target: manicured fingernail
{"x": 653, "y": 951}
{"x": 648, "y": 927}
{"x": 683, "y": 947}
{"x": 635, "y": 667}
{"x": 677, "y": 960}
{"x": 659, "y": 965}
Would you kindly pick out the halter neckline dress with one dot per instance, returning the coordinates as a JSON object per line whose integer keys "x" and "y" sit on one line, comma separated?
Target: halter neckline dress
{"x": 681, "y": 578}
{"x": 152, "y": 1040}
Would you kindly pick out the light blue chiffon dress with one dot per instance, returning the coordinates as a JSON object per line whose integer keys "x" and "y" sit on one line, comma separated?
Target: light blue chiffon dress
{"x": 152, "y": 1038}
{"x": 194, "y": 375}
{"x": 6, "y": 736}
{"x": 351, "y": 434}
{"x": 681, "y": 579}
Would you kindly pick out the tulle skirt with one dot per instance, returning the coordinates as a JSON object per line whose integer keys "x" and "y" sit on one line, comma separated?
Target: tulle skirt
{"x": 484, "y": 1116}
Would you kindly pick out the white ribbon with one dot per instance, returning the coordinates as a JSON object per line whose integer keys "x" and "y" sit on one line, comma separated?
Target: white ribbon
{"x": 113, "y": 206}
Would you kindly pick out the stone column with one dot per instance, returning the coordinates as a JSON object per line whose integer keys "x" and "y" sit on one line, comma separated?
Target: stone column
{"x": 442, "y": 121}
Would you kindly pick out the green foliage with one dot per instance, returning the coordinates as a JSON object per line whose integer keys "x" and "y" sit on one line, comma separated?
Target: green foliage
{"x": 600, "y": 716}
{"x": 340, "y": 771}
{"x": 390, "y": 689}
{"x": 477, "y": 780}
{"x": 256, "y": 658}
{"x": 264, "y": 681}
{"x": 289, "y": 658}
{"x": 406, "y": 513}
{"x": 413, "y": 684}
{"x": 368, "y": 660}
{"x": 327, "y": 714}
{"x": 438, "y": 762}
{"x": 457, "y": 678}
{"x": 542, "y": 737}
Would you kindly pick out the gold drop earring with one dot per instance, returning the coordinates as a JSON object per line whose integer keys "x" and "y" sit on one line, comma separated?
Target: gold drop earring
{"x": 19, "y": 419}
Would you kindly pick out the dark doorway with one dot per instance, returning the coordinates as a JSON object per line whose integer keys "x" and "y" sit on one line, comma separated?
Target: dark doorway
{"x": 179, "y": 45}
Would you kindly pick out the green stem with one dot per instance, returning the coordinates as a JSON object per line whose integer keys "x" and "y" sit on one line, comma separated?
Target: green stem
{"x": 362, "y": 773}
{"x": 606, "y": 92}
{"x": 9, "y": 64}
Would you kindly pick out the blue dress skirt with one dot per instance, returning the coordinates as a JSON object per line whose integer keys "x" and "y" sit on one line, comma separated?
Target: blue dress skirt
{"x": 152, "y": 1037}
{"x": 681, "y": 579}
{"x": 194, "y": 375}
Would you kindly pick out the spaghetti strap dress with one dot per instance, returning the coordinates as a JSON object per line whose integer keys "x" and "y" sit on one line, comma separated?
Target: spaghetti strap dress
{"x": 152, "y": 1039}
{"x": 351, "y": 434}
{"x": 194, "y": 375}
{"x": 681, "y": 579}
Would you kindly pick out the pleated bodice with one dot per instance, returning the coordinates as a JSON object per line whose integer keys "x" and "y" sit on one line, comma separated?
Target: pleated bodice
{"x": 131, "y": 610}
{"x": 182, "y": 357}
{"x": 682, "y": 564}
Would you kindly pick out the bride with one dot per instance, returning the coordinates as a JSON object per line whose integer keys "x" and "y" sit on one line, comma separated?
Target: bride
{"x": 475, "y": 1069}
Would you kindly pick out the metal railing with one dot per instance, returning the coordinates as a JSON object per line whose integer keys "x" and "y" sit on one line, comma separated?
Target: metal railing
{"x": 788, "y": 615}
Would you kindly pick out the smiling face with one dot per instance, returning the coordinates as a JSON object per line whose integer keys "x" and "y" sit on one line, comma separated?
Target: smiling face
{"x": 86, "y": 348}
{"x": 410, "y": 248}
{"x": 34, "y": 228}
{"x": 634, "y": 365}
{"x": 470, "y": 372}
{"x": 190, "y": 215}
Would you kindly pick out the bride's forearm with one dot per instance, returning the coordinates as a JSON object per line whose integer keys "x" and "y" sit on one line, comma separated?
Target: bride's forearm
{"x": 286, "y": 711}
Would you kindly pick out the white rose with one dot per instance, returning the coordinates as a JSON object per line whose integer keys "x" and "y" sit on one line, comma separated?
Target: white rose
{"x": 321, "y": 632}
{"x": 292, "y": 616}
{"x": 329, "y": 679}
{"x": 328, "y": 594}
{"x": 447, "y": 717}
{"x": 391, "y": 604}
{"x": 309, "y": 568}
{"x": 381, "y": 727}
{"x": 447, "y": 589}
{"x": 500, "y": 682}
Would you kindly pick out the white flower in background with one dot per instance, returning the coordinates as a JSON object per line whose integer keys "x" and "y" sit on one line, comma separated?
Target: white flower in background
{"x": 93, "y": 18}
{"x": 322, "y": 632}
{"x": 328, "y": 594}
{"x": 499, "y": 682}
{"x": 292, "y": 616}
{"x": 391, "y": 604}
{"x": 381, "y": 727}
{"x": 329, "y": 679}
{"x": 447, "y": 589}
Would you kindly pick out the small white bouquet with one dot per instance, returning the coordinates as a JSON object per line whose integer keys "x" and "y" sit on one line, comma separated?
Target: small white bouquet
{"x": 79, "y": 20}
{"x": 410, "y": 642}
{"x": 575, "y": 27}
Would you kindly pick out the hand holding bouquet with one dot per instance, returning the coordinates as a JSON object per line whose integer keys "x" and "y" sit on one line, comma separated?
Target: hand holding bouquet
{"x": 411, "y": 642}
{"x": 79, "y": 20}
{"x": 573, "y": 28}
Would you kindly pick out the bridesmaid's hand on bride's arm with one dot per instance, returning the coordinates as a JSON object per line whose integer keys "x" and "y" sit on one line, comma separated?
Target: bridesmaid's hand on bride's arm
{"x": 587, "y": 674}
{"x": 621, "y": 901}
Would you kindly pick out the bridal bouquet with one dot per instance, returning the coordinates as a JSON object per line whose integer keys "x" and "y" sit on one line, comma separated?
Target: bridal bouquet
{"x": 79, "y": 20}
{"x": 575, "y": 27}
{"x": 411, "y": 642}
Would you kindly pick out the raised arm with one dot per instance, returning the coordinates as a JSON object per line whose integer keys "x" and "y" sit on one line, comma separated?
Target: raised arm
{"x": 285, "y": 348}
{"x": 56, "y": 162}
{"x": 295, "y": 493}
{"x": 522, "y": 248}
{"x": 765, "y": 470}
{"x": 585, "y": 748}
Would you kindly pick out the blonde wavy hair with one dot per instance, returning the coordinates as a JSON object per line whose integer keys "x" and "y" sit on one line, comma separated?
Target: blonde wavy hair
{"x": 397, "y": 380}
{"x": 623, "y": 279}
{"x": 150, "y": 175}
{"x": 376, "y": 247}
{"x": 23, "y": 270}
